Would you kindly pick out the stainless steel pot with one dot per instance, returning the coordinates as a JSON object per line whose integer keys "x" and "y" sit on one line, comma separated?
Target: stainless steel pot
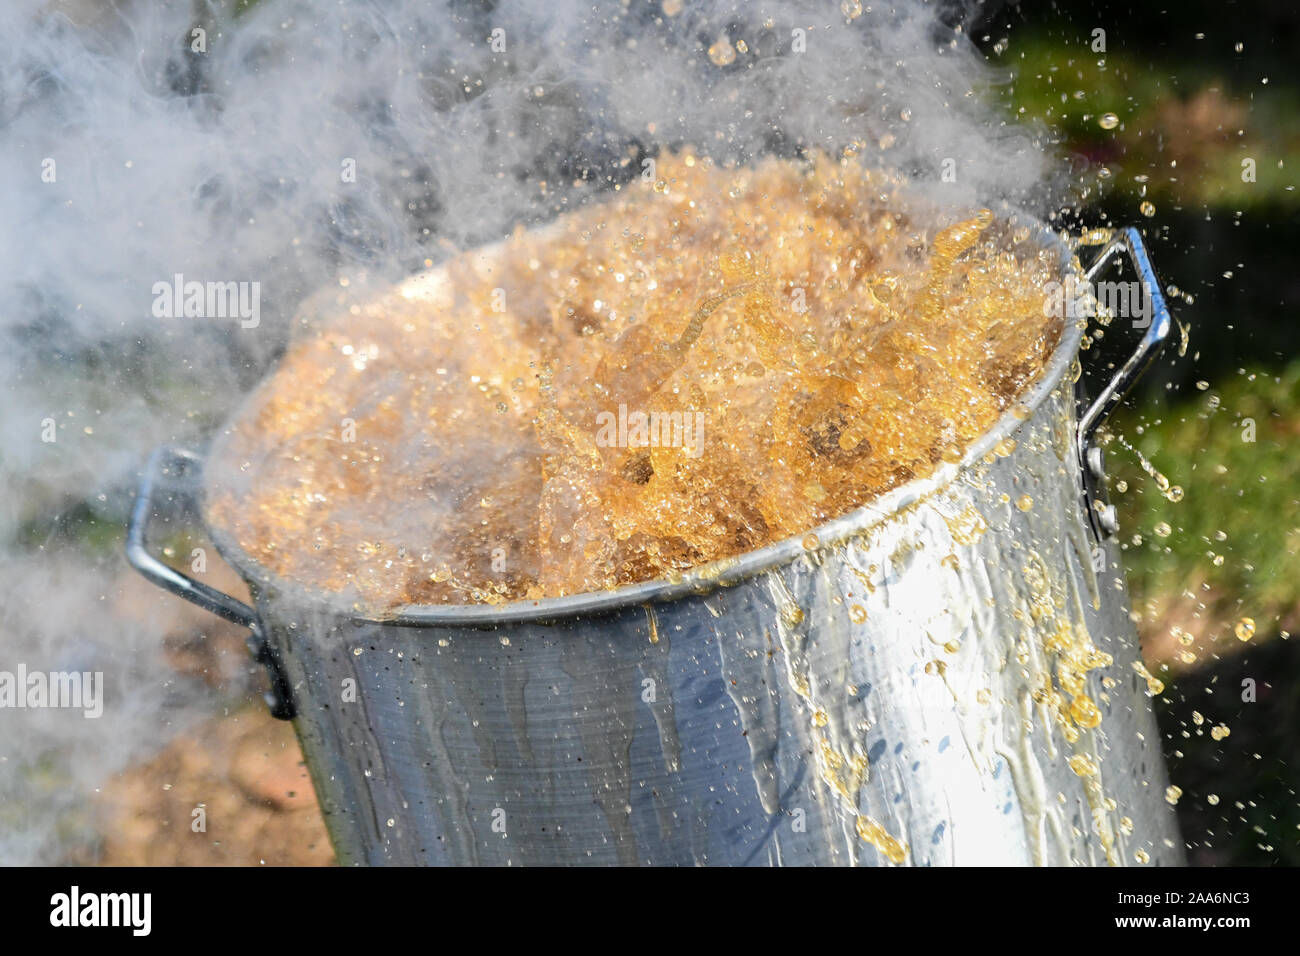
{"x": 898, "y": 691}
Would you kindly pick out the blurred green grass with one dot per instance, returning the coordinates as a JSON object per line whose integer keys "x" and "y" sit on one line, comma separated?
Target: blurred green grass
{"x": 1184, "y": 129}
{"x": 1231, "y": 447}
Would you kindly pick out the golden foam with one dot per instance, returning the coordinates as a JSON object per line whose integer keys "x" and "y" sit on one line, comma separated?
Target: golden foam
{"x": 801, "y": 338}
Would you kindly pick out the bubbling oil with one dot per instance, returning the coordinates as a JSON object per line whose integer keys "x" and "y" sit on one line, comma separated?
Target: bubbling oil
{"x": 692, "y": 369}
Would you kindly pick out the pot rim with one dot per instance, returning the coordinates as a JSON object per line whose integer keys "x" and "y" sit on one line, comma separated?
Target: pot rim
{"x": 705, "y": 578}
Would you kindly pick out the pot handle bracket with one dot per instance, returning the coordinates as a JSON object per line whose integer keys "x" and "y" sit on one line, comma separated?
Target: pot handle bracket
{"x": 180, "y": 467}
{"x": 1154, "y": 310}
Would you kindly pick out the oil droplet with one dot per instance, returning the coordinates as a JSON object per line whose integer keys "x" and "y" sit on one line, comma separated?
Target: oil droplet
{"x": 852, "y": 9}
{"x": 1148, "y": 208}
{"x": 1212, "y": 799}
{"x": 1108, "y": 121}
{"x": 1005, "y": 447}
{"x": 1163, "y": 530}
{"x": 1219, "y": 732}
{"x": 883, "y": 290}
{"x": 652, "y": 624}
{"x": 1126, "y": 824}
{"x": 1161, "y": 481}
{"x": 722, "y": 53}
{"x": 857, "y": 613}
{"x": 1245, "y": 629}
{"x": 1084, "y": 712}
{"x": 1173, "y": 794}
{"x": 672, "y": 7}
{"x": 811, "y": 542}
{"x": 791, "y": 615}
{"x": 1155, "y": 686}
{"x": 1025, "y": 503}
{"x": 1083, "y": 765}
{"x": 1141, "y": 856}
{"x": 820, "y": 719}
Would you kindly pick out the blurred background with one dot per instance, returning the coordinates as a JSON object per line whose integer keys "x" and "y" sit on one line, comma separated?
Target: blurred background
{"x": 1199, "y": 89}
{"x": 1183, "y": 121}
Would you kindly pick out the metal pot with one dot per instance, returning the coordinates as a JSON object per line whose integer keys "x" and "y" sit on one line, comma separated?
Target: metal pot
{"x": 899, "y": 689}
